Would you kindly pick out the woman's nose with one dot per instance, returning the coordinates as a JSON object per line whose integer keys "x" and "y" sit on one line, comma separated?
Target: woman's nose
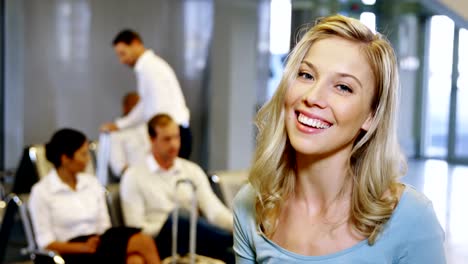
{"x": 316, "y": 95}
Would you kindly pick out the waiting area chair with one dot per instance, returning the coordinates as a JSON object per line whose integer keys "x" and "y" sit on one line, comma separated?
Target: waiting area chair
{"x": 34, "y": 166}
{"x": 114, "y": 205}
{"x": 227, "y": 183}
{"x": 43, "y": 166}
{"x": 39, "y": 256}
{"x": 9, "y": 209}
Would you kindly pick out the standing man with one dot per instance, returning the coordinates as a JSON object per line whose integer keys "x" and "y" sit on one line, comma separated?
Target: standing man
{"x": 157, "y": 86}
{"x": 148, "y": 195}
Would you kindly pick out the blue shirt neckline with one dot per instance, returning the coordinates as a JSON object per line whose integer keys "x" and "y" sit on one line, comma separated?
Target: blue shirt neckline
{"x": 341, "y": 252}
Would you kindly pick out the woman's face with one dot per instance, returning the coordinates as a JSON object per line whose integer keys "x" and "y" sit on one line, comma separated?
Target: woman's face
{"x": 80, "y": 159}
{"x": 329, "y": 102}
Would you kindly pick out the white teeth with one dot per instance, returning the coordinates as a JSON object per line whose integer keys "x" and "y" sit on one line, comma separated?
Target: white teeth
{"x": 312, "y": 122}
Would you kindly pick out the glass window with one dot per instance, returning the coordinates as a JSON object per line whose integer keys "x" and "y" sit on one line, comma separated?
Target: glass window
{"x": 368, "y": 19}
{"x": 461, "y": 144}
{"x": 439, "y": 85}
{"x": 280, "y": 32}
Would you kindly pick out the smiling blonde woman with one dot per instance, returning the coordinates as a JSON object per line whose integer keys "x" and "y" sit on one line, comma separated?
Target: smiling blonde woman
{"x": 324, "y": 182}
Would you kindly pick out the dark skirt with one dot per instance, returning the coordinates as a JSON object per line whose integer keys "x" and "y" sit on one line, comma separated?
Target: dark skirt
{"x": 112, "y": 247}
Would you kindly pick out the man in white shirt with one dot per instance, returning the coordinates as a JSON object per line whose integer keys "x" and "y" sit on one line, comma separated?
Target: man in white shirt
{"x": 128, "y": 146}
{"x": 148, "y": 197}
{"x": 157, "y": 86}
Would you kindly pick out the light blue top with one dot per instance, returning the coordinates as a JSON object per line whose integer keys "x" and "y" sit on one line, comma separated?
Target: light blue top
{"x": 412, "y": 235}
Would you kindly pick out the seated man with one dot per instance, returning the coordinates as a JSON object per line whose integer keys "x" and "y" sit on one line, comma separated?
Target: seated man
{"x": 148, "y": 197}
{"x": 128, "y": 146}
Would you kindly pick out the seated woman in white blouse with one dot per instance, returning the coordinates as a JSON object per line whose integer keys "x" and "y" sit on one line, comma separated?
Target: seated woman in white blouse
{"x": 69, "y": 212}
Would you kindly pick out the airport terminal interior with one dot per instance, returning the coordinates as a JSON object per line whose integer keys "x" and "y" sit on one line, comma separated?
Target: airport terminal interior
{"x": 58, "y": 69}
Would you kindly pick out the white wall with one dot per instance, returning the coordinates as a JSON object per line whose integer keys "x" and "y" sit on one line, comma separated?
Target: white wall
{"x": 61, "y": 70}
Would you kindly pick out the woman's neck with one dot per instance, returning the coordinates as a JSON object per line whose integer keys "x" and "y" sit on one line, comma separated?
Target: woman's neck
{"x": 323, "y": 183}
{"x": 68, "y": 177}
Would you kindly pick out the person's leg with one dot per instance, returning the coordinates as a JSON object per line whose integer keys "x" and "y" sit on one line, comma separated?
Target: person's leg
{"x": 80, "y": 258}
{"x": 214, "y": 242}
{"x": 135, "y": 259}
{"x": 211, "y": 241}
{"x": 185, "y": 142}
{"x": 142, "y": 245}
{"x": 164, "y": 238}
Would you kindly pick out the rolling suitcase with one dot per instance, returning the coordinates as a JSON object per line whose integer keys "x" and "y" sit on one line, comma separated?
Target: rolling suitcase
{"x": 191, "y": 257}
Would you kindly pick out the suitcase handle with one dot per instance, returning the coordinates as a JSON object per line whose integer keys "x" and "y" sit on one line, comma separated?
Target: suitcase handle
{"x": 193, "y": 222}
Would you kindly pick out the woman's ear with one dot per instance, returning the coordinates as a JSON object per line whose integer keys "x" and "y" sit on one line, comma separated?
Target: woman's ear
{"x": 367, "y": 124}
{"x": 64, "y": 159}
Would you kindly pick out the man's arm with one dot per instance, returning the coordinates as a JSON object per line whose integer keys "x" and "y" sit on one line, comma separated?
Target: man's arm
{"x": 135, "y": 117}
{"x": 211, "y": 206}
{"x": 133, "y": 203}
{"x": 131, "y": 200}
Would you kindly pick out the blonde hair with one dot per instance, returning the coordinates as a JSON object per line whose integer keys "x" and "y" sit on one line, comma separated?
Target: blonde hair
{"x": 375, "y": 162}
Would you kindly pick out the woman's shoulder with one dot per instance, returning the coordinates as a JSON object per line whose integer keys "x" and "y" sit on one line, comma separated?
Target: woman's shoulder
{"x": 244, "y": 214}
{"x": 41, "y": 190}
{"x": 38, "y": 188}
{"x": 45, "y": 183}
{"x": 414, "y": 214}
{"x": 245, "y": 199}
{"x": 246, "y": 194}
{"x": 88, "y": 182}
{"x": 89, "y": 178}
{"x": 412, "y": 200}
{"x": 413, "y": 233}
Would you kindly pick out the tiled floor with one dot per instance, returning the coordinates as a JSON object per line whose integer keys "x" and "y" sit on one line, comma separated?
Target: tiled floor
{"x": 447, "y": 186}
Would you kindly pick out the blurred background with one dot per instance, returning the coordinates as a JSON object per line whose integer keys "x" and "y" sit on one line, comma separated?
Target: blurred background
{"x": 58, "y": 69}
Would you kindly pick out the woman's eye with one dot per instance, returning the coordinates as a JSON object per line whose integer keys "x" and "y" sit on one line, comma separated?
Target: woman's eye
{"x": 306, "y": 75}
{"x": 344, "y": 88}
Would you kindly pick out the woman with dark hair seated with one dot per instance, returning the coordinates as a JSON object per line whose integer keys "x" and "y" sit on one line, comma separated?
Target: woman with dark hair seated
{"x": 69, "y": 212}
